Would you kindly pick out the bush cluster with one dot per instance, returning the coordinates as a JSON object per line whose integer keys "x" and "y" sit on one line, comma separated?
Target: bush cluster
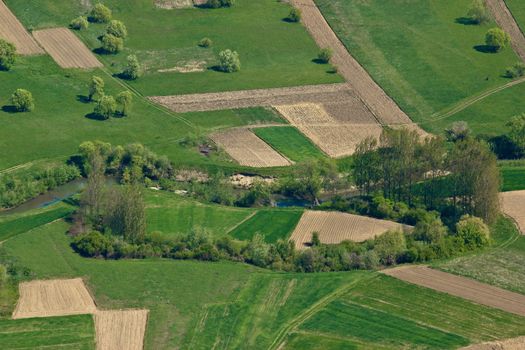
{"x": 79, "y": 23}
{"x": 7, "y": 55}
{"x": 516, "y": 71}
{"x": 214, "y": 4}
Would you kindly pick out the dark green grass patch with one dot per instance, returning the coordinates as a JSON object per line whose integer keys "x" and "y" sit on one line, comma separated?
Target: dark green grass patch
{"x": 513, "y": 178}
{"x": 272, "y": 224}
{"x": 71, "y": 332}
{"x": 290, "y": 142}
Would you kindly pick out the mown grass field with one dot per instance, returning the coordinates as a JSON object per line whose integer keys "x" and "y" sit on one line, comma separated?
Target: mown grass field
{"x": 164, "y": 39}
{"x": 290, "y": 142}
{"x": 70, "y": 333}
{"x": 421, "y": 54}
{"x": 517, "y": 8}
{"x": 513, "y": 177}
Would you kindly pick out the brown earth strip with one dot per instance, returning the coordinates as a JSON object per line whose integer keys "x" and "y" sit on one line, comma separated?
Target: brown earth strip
{"x": 335, "y": 227}
{"x": 120, "y": 329}
{"x": 513, "y": 205}
{"x": 13, "y": 31}
{"x": 45, "y": 298}
{"x": 383, "y": 107}
{"x": 66, "y": 49}
{"x": 247, "y": 149}
{"x": 462, "y": 287}
{"x": 508, "y": 344}
{"x": 506, "y": 21}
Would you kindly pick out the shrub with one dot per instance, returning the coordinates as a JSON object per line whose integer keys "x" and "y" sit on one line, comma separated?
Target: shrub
{"x": 478, "y": 12}
{"x": 214, "y": 4}
{"x": 7, "y": 55}
{"x": 205, "y": 42}
{"x": 315, "y": 239}
{"x": 96, "y": 88}
{"x": 100, "y": 14}
{"x": 22, "y": 100}
{"x": 117, "y": 28}
{"x": 497, "y": 39}
{"x": 79, "y": 23}
{"x": 105, "y": 107}
{"x": 294, "y": 15}
{"x": 458, "y": 131}
{"x": 111, "y": 43}
{"x": 473, "y": 232}
{"x": 92, "y": 244}
{"x": 124, "y": 100}
{"x": 324, "y": 56}
{"x": 229, "y": 61}
{"x": 390, "y": 246}
{"x": 133, "y": 68}
{"x": 430, "y": 229}
{"x": 516, "y": 71}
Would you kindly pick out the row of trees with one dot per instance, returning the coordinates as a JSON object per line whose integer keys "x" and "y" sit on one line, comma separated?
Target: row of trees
{"x": 107, "y": 105}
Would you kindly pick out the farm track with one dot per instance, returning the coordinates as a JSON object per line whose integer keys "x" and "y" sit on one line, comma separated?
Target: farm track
{"x": 507, "y": 22}
{"x": 462, "y": 287}
{"x": 508, "y": 344}
{"x": 13, "y": 31}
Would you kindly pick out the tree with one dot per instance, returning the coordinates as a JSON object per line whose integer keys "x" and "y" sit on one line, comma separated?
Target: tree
{"x": 430, "y": 229}
{"x": 117, "y": 28}
{"x": 497, "y": 39}
{"x": 79, "y": 23}
{"x": 100, "y": 14}
{"x": 324, "y": 56}
{"x": 105, "y": 107}
{"x": 294, "y": 15}
{"x": 7, "y": 55}
{"x": 458, "y": 131}
{"x": 22, "y": 100}
{"x": 478, "y": 12}
{"x": 517, "y": 132}
{"x": 389, "y": 246}
{"x": 214, "y": 4}
{"x": 124, "y": 100}
{"x": 516, "y": 71}
{"x": 315, "y": 239}
{"x": 92, "y": 201}
{"x": 111, "y": 43}
{"x": 127, "y": 213}
{"x": 96, "y": 88}
{"x": 366, "y": 169}
{"x": 133, "y": 68}
{"x": 229, "y": 61}
{"x": 473, "y": 232}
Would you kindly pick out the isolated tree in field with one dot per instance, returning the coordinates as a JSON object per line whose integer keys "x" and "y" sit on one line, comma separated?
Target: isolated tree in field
{"x": 96, "y": 88}
{"x": 458, "y": 131}
{"x": 205, "y": 42}
{"x": 497, "y": 39}
{"x": 517, "y": 132}
{"x": 100, "y": 14}
{"x": 106, "y": 107}
{"x": 22, "y": 100}
{"x": 7, "y": 55}
{"x": 294, "y": 15}
{"x": 124, "y": 100}
{"x": 111, "y": 43}
{"x": 478, "y": 12}
{"x": 133, "y": 69}
{"x": 117, "y": 28}
{"x": 324, "y": 56}
{"x": 79, "y": 23}
{"x": 229, "y": 61}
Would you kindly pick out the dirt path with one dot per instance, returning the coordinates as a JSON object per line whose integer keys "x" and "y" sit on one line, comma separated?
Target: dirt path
{"x": 13, "y": 31}
{"x": 462, "y": 287}
{"x": 506, "y": 21}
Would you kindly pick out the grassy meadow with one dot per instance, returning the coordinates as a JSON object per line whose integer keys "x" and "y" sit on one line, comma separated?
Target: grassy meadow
{"x": 513, "y": 174}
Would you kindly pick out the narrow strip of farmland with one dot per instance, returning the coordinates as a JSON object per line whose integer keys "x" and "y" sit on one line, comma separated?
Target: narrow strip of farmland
{"x": 462, "y": 287}
{"x": 505, "y": 20}
{"x": 13, "y": 31}
{"x": 513, "y": 205}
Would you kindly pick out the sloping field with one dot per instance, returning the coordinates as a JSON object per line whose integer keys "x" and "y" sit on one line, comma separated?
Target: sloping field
{"x": 45, "y": 298}
{"x": 383, "y": 107}
{"x": 66, "y": 49}
{"x": 247, "y": 149}
{"x": 335, "y": 137}
{"x": 509, "y": 344}
{"x": 461, "y": 287}
{"x": 506, "y": 21}
{"x": 335, "y": 227}
{"x": 513, "y": 205}
{"x": 13, "y": 31}
{"x": 121, "y": 329}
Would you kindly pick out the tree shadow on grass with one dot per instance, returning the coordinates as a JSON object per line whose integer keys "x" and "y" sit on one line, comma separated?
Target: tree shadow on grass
{"x": 319, "y": 61}
{"x": 83, "y": 99}
{"x": 9, "y": 109}
{"x": 94, "y": 116}
{"x": 466, "y": 21}
{"x": 485, "y": 49}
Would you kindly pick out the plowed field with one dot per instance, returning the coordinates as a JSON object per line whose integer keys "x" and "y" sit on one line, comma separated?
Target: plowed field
{"x": 513, "y": 204}
{"x": 13, "y": 31}
{"x": 121, "y": 329}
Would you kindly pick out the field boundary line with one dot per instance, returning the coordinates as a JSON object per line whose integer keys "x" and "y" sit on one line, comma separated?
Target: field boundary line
{"x": 242, "y": 221}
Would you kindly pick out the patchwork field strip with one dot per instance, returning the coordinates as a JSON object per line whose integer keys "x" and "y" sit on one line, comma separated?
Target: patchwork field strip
{"x": 508, "y": 344}
{"x": 383, "y": 107}
{"x": 335, "y": 227}
{"x": 120, "y": 329}
{"x": 462, "y": 287}
{"x": 507, "y": 22}
{"x": 513, "y": 205}
{"x": 66, "y": 49}
{"x": 13, "y": 31}
{"x": 248, "y": 149}
{"x": 335, "y": 137}
{"x": 46, "y": 298}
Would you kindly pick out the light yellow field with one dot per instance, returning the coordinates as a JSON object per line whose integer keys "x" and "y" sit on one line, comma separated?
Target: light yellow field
{"x": 120, "y": 329}
{"x": 513, "y": 205}
{"x": 13, "y": 31}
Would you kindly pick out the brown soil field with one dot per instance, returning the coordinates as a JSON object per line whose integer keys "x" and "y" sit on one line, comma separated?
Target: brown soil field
{"x": 247, "y": 149}
{"x": 506, "y": 21}
{"x": 508, "y": 344}
{"x": 335, "y": 227}
{"x": 255, "y": 98}
{"x": 383, "y": 107}
{"x": 45, "y": 298}
{"x": 13, "y": 31}
{"x": 335, "y": 137}
{"x": 66, "y": 49}
{"x": 120, "y": 329}
{"x": 513, "y": 205}
{"x": 462, "y": 287}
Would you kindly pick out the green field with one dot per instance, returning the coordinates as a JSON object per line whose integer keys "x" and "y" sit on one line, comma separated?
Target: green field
{"x": 290, "y": 142}
{"x": 421, "y": 54}
{"x": 518, "y": 11}
{"x": 513, "y": 177}
{"x": 69, "y": 333}
{"x": 163, "y": 39}
{"x": 273, "y": 224}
